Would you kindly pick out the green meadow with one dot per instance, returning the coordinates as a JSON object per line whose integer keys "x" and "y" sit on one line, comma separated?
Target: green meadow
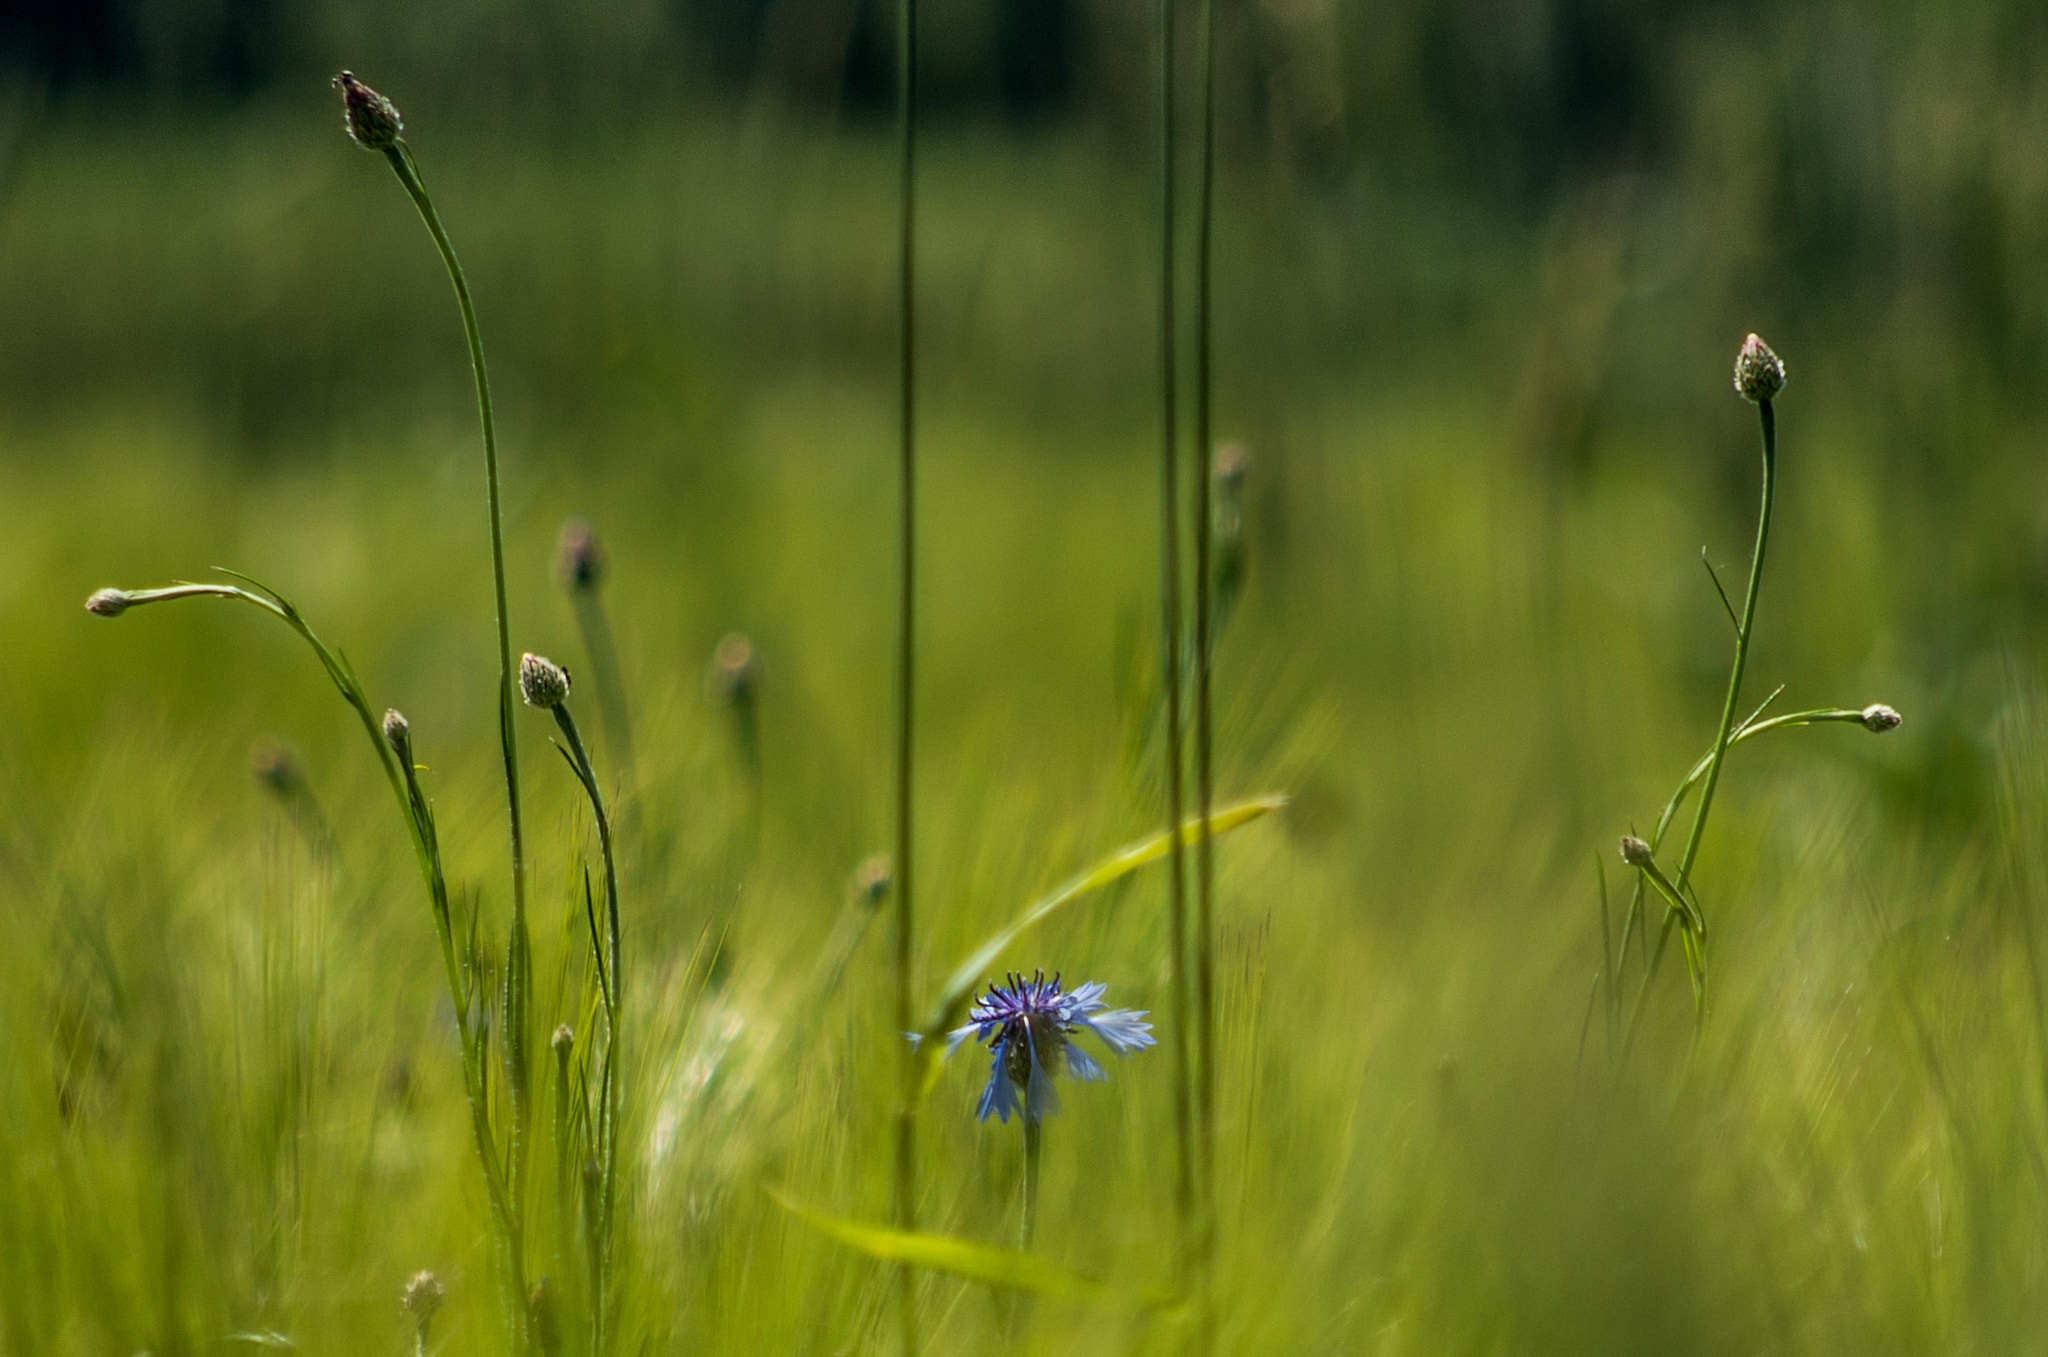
{"x": 1488, "y": 428}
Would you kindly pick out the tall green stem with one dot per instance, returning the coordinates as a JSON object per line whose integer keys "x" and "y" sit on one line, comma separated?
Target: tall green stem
{"x": 519, "y": 951}
{"x": 1205, "y": 790}
{"x": 1170, "y": 638}
{"x": 1724, "y": 737}
{"x": 1034, "y": 1137}
{"x": 1742, "y": 637}
{"x": 611, "y": 976}
{"x": 906, "y": 617}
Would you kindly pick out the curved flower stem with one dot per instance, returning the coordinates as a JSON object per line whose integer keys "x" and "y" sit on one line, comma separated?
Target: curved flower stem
{"x": 519, "y": 949}
{"x": 419, "y": 822}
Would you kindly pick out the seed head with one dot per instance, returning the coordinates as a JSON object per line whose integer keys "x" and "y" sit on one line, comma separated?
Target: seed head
{"x": 108, "y": 603}
{"x": 735, "y": 669}
{"x": 1878, "y": 718}
{"x": 423, "y": 1296}
{"x": 564, "y": 1038}
{"x": 371, "y": 119}
{"x": 545, "y": 683}
{"x": 1636, "y": 853}
{"x": 871, "y": 879}
{"x": 398, "y": 732}
{"x": 1759, "y": 373}
{"x": 579, "y": 558}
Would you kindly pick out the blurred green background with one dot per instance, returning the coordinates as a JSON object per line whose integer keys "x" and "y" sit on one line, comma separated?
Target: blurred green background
{"x": 1482, "y": 268}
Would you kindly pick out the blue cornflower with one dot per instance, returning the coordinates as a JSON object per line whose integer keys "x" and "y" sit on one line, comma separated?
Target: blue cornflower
{"x": 1027, "y": 1026}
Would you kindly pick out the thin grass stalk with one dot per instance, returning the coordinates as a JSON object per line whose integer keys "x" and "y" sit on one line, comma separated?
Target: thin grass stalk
{"x": 1205, "y": 790}
{"x": 1170, "y": 644}
{"x": 906, "y": 617}
{"x": 519, "y": 947}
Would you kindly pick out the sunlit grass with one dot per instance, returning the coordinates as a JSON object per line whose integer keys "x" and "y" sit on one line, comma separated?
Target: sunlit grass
{"x": 234, "y": 1098}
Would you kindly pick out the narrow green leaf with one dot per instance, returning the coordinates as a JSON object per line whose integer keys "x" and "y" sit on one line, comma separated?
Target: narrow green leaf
{"x": 953, "y": 999}
{"x": 1005, "y": 1268}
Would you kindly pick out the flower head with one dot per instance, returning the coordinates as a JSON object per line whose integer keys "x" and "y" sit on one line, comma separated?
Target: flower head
{"x": 371, "y": 119}
{"x": 543, "y": 682}
{"x": 423, "y": 1296}
{"x": 1636, "y": 853}
{"x": 108, "y": 603}
{"x": 1028, "y": 1026}
{"x": 1759, "y": 373}
{"x": 1878, "y": 718}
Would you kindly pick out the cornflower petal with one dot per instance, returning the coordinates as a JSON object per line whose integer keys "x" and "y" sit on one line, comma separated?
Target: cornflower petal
{"x": 1084, "y": 1065}
{"x": 1123, "y": 1030}
{"x": 999, "y": 1098}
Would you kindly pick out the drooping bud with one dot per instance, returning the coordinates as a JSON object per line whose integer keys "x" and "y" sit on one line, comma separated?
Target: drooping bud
{"x": 871, "y": 879}
{"x": 735, "y": 669}
{"x": 1878, "y": 718}
{"x": 108, "y": 603}
{"x": 1759, "y": 373}
{"x": 579, "y": 557}
{"x": 1636, "y": 853}
{"x": 543, "y": 682}
{"x": 371, "y": 119}
{"x": 423, "y": 1296}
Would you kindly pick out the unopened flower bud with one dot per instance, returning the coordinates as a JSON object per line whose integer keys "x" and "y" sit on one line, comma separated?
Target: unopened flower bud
{"x": 397, "y": 732}
{"x": 1878, "y": 718}
{"x": 370, "y": 118}
{"x": 544, "y": 683}
{"x": 423, "y": 1296}
{"x": 1636, "y": 853}
{"x": 735, "y": 669}
{"x": 108, "y": 603}
{"x": 871, "y": 879}
{"x": 579, "y": 558}
{"x": 564, "y": 1038}
{"x": 1759, "y": 373}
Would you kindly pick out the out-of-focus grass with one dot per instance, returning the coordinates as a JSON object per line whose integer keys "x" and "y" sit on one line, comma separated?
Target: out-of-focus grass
{"x": 1474, "y": 649}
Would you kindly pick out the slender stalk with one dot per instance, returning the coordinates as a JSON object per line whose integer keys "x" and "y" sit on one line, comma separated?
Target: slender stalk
{"x": 1034, "y": 1137}
{"x": 1170, "y": 642}
{"x": 519, "y": 948}
{"x": 906, "y": 618}
{"x": 1725, "y": 736}
{"x": 392, "y": 744}
{"x": 612, "y": 988}
{"x": 1205, "y": 858}
{"x": 1742, "y": 638}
